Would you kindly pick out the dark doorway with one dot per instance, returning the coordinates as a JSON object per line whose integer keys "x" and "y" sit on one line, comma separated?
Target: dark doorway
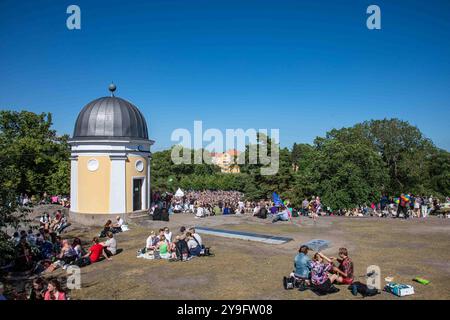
{"x": 137, "y": 194}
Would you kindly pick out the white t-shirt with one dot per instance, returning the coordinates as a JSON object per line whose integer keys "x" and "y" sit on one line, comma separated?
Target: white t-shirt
{"x": 199, "y": 239}
{"x": 149, "y": 241}
{"x": 199, "y": 212}
{"x": 192, "y": 244}
{"x": 111, "y": 245}
{"x": 168, "y": 236}
{"x": 120, "y": 222}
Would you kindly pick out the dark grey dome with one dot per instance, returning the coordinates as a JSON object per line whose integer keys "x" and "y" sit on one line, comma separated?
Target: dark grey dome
{"x": 110, "y": 117}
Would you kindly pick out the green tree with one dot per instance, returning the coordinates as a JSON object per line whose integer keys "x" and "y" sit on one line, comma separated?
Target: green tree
{"x": 29, "y": 147}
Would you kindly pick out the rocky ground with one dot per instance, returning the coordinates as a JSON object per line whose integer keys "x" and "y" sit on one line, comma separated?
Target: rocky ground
{"x": 251, "y": 270}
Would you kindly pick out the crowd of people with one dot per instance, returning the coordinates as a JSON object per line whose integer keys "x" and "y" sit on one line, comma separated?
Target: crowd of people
{"x": 180, "y": 247}
{"x": 41, "y": 290}
{"x": 26, "y": 200}
{"x": 405, "y": 206}
{"x": 209, "y": 203}
{"x": 44, "y": 251}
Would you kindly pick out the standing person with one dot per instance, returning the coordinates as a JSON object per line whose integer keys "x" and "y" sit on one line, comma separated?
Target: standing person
{"x": 417, "y": 204}
{"x": 54, "y": 291}
{"x": 305, "y": 205}
{"x": 314, "y": 209}
{"x": 402, "y": 206}
{"x": 424, "y": 207}
{"x": 318, "y": 205}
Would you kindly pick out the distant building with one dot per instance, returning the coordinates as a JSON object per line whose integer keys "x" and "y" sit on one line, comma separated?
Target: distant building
{"x": 226, "y": 161}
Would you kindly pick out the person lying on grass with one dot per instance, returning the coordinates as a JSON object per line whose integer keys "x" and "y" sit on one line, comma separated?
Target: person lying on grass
{"x": 344, "y": 271}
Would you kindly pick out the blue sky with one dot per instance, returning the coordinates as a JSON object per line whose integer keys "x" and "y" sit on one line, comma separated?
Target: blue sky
{"x": 302, "y": 66}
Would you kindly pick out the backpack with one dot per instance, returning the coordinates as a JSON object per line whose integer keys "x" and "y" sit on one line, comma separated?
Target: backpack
{"x": 363, "y": 289}
{"x": 288, "y": 283}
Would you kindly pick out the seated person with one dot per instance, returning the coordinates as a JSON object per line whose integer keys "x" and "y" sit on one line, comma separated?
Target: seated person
{"x": 76, "y": 245}
{"x": 151, "y": 242}
{"x": 200, "y": 212}
{"x": 302, "y": 264}
{"x": 15, "y": 239}
{"x": 160, "y": 234}
{"x": 66, "y": 255}
{"x": 180, "y": 247}
{"x": 31, "y": 238}
{"x": 177, "y": 208}
{"x": 62, "y": 225}
{"x": 262, "y": 213}
{"x": 117, "y": 227}
{"x": 344, "y": 271}
{"x": 320, "y": 275}
{"x": 193, "y": 246}
{"x": 281, "y": 216}
{"x": 38, "y": 290}
{"x": 168, "y": 234}
{"x": 54, "y": 291}
{"x": 56, "y": 220}
{"x": 216, "y": 210}
{"x": 196, "y": 236}
{"x": 95, "y": 252}
{"x": 24, "y": 257}
{"x": 163, "y": 247}
{"x": 106, "y": 228}
{"x": 110, "y": 245}
{"x": 44, "y": 221}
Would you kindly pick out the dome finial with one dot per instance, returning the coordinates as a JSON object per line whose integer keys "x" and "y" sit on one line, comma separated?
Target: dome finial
{"x": 112, "y": 87}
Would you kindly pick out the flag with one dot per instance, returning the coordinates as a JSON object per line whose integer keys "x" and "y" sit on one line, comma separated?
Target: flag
{"x": 277, "y": 200}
